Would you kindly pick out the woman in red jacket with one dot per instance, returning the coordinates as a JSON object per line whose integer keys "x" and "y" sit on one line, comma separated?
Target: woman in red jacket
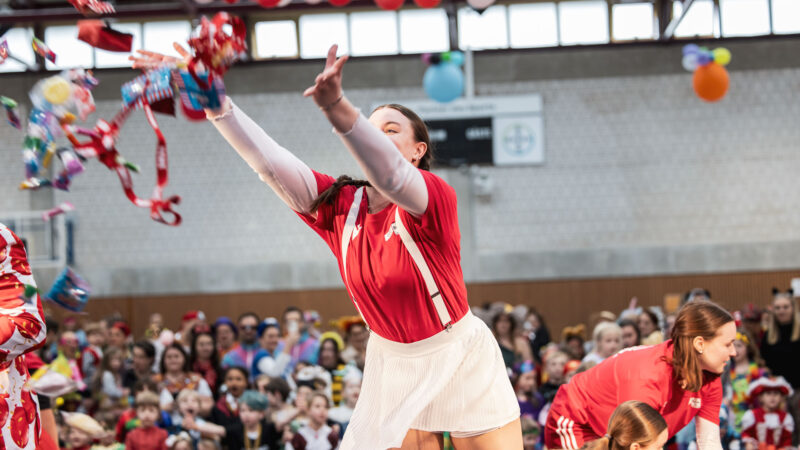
{"x": 679, "y": 378}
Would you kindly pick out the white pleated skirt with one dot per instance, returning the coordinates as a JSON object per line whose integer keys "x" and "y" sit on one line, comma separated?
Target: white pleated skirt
{"x": 453, "y": 381}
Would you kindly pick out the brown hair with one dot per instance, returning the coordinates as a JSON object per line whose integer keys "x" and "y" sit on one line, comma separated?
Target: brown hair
{"x": 632, "y": 422}
{"x": 420, "y": 135}
{"x": 695, "y": 319}
{"x": 772, "y": 327}
{"x": 146, "y": 398}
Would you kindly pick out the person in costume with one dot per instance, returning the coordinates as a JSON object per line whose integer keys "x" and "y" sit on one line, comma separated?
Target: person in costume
{"x": 744, "y": 371}
{"x": 397, "y": 242}
{"x": 769, "y": 425}
{"x": 679, "y": 378}
{"x": 22, "y": 330}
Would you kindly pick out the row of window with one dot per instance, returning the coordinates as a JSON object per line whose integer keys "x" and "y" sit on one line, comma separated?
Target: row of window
{"x": 527, "y": 25}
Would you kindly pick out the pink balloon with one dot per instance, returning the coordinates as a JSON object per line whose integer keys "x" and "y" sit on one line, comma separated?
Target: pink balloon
{"x": 480, "y": 4}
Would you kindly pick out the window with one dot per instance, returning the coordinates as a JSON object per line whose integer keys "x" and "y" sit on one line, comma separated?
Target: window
{"x": 533, "y": 25}
{"x": 105, "y": 58}
{"x": 424, "y": 30}
{"x": 159, "y": 36}
{"x": 744, "y": 17}
{"x": 19, "y": 45}
{"x": 699, "y": 20}
{"x": 70, "y": 52}
{"x": 373, "y": 33}
{"x": 319, "y": 31}
{"x": 276, "y": 39}
{"x": 583, "y": 22}
{"x": 480, "y": 31}
{"x": 785, "y": 16}
{"x": 633, "y": 21}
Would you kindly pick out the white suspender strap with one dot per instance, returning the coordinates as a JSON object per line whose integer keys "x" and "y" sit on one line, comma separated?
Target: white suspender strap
{"x": 419, "y": 260}
{"x": 349, "y": 226}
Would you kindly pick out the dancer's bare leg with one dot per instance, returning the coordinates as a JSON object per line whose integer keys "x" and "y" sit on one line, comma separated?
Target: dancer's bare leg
{"x": 507, "y": 437}
{"x": 422, "y": 440}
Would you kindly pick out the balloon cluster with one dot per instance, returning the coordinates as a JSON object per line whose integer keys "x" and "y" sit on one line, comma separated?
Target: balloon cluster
{"x": 443, "y": 80}
{"x": 711, "y": 80}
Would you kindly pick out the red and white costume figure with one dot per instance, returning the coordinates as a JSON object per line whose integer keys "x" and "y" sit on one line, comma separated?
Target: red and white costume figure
{"x": 401, "y": 265}
{"x": 22, "y": 330}
{"x": 770, "y": 428}
{"x": 582, "y": 408}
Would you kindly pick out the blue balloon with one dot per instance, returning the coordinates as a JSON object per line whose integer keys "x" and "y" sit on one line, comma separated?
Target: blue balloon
{"x": 690, "y": 48}
{"x": 457, "y": 58}
{"x": 443, "y": 82}
{"x": 704, "y": 58}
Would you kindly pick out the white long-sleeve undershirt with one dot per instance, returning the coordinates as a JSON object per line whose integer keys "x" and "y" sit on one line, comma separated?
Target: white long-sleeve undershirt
{"x": 384, "y": 166}
{"x": 707, "y": 435}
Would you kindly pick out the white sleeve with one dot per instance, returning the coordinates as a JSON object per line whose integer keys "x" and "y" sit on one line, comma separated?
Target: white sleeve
{"x": 165, "y": 398}
{"x": 203, "y": 388}
{"x": 385, "y": 167}
{"x": 289, "y": 177}
{"x": 274, "y": 367}
{"x": 788, "y": 423}
{"x": 708, "y": 435}
{"x": 110, "y": 385}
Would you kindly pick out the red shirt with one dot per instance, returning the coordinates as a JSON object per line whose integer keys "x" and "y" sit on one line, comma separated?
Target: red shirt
{"x": 388, "y": 288}
{"x": 151, "y": 438}
{"x": 638, "y": 373}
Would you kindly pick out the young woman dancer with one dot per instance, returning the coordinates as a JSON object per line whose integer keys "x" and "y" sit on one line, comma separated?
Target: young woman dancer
{"x": 679, "y": 378}
{"x": 431, "y": 365}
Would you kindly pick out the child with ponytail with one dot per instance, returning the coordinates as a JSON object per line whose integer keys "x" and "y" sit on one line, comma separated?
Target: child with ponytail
{"x": 633, "y": 426}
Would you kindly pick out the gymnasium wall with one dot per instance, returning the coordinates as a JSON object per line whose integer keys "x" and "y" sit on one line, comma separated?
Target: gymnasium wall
{"x": 642, "y": 181}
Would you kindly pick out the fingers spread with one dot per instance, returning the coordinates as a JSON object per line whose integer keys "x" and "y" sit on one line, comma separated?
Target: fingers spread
{"x": 309, "y": 91}
{"x": 331, "y": 56}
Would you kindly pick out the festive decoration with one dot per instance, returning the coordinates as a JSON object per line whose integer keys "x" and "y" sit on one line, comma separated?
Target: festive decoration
{"x": 443, "y": 80}
{"x": 57, "y": 100}
{"x": 12, "y": 114}
{"x": 3, "y": 51}
{"x": 427, "y": 3}
{"x": 268, "y": 3}
{"x": 95, "y": 6}
{"x": 711, "y": 80}
{"x": 480, "y": 5}
{"x": 60, "y": 209}
{"x": 69, "y": 291}
{"x": 339, "y": 3}
{"x": 99, "y": 35}
{"x": 42, "y": 50}
{"x": 390, "y": 5}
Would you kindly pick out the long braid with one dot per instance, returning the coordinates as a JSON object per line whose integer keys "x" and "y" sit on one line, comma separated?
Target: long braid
{"x": 328, "y": 196}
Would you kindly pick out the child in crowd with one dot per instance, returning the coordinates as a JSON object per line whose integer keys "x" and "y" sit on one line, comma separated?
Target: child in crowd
{"x": 768, "y": 425}
{"x": 554, "y": 363}
{"x": 147, "y": 436}
{"x": 634, "y": 425}
{"x": 180, "y": 441}
{"x": 128, "y": 421}
{"x": 607, "y": 338}
{"x": 188, "y": 406}
{"x": 280, "y": 411}
{"x": 530, "y": 433}
{"x": 744, "y": 371}
{"x": 316, "y": 434}
{"x": 252, "y": 432}
{"x": 92, "y": 354}
{"x": 81, "y": 431}
{"x": 352, "y": 389}
{"x": 226, "y": 410}
{"x": 109, "y": 379}
{"x": 523, "y": 379}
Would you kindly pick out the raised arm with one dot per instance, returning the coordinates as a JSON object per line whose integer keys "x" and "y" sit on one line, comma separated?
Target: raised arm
{"x": 383, "y": 164}
{"x": 289, "y": 177}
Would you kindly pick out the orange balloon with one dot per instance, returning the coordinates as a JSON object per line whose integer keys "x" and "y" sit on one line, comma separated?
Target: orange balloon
{"x": 711, "y": 82}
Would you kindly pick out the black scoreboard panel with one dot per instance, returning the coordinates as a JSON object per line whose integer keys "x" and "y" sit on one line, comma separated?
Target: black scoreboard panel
{"x": 461, "y": 141}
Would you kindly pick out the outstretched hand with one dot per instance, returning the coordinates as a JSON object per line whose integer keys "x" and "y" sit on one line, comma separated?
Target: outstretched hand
{"x": 327, "y": 88}
{"x": 150, "y": 60}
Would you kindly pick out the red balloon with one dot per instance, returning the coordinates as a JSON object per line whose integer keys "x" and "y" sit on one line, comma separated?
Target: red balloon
{"x": 338, "y": 2}
{"x": 390, "y": 5}
{"x": 268, "y": 3}
{"x": 427, "y": 3}
{"x": 711, "y": 82}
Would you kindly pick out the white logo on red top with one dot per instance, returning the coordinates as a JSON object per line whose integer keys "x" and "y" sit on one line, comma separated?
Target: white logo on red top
{"x": 695, "y": 402}
{"x": 355, "y": 232}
